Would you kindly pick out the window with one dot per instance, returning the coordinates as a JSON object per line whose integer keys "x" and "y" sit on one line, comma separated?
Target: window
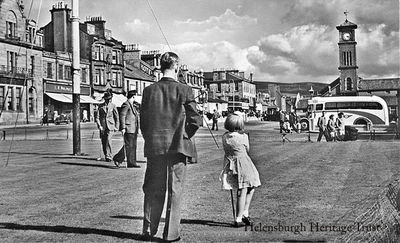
{"x": 31, "y": 105}
{"x": 10, "y": 98}
{"x": 1, "y": 97}
{"x": 114, "y": 57}
{"x": 348, "y": 84}
{"x": 32, "y": 66}
{"x": 30, "y": 34}
{"x": 96, "y": 53}
{"x": 11, "y": 25}
{"x": 49, "y": 70}
{"x": 83, "y": 75}
{"x": 101, "y": 53}
{"x": 318, "y": 107}
{"x": 114, "y": 79}
{"x": 18, "y": 97}
{"x": 60, "y": 71}
{"x": 11, "y": 61}
{"x": 97, "y": 76}
{"x": 68, "y": 73}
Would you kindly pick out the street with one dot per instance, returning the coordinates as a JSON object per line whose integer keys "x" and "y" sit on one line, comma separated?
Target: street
{"x": 46, "y": 194}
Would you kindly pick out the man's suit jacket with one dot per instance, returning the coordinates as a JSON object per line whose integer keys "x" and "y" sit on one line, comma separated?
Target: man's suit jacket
{"x": 128, "y": 118}
{"x": 107, "y": 117}
{"x": 322, "y": 122}
{"x": 168, "y": 118}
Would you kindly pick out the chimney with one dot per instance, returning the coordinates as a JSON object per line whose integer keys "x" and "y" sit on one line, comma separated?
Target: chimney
{"x": 99, "y": 24}
{"x": 251, "y": 77}
{"x": 60, "y": 17}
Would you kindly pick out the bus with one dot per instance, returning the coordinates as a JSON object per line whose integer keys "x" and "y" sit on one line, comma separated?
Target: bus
{"x": 357, "y": 110}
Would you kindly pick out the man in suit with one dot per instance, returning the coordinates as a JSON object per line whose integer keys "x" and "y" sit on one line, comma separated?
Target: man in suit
{"x": 107, "y": 121}
{"x": 168, "y": 121}
{"x": 322, "y": 127}
{"x": 129, "y": 126}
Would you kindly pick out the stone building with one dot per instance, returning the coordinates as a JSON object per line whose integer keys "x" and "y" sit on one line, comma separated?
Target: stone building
{"x": 20, "y": 65}
{"x": 57, "y": 67}
{"x": 232, "y": 86}
{"x": 105, "y": 55}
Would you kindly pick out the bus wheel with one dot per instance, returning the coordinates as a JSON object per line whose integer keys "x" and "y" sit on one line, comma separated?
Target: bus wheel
{"x": 304, "y": 125}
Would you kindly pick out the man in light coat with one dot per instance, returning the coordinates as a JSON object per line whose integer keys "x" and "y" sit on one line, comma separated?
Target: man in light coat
{"x": 107, "y": 120}
{"x": 129, "y": 126}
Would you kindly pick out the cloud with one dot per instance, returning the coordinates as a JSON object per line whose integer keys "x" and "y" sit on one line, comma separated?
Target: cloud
{"x": 221, "y": 54}
{"x": 228, "y": 21}
{"x": 378, "y": 52}
{"x": 137, "y": 27}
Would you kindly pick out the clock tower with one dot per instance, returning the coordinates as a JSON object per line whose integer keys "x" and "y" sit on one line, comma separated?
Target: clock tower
{"x": 347, "y": 58}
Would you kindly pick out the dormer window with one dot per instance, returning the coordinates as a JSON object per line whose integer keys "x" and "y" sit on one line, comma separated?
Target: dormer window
{"x": 11, "y": 25}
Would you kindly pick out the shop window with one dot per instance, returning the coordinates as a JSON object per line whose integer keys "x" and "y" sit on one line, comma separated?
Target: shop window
{"x": 10, "y": 99}
{"x": 18, "y": 98}
{"x": 83, "y": 75}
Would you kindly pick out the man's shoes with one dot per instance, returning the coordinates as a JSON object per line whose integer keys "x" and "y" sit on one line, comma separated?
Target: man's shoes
{"x": 117, "y": 164}
{"x": 239, "y": 224}
{"x": 247, "y": 220}
{"x": 134, "y": 166}
{"x": 147, "y": 236}
{"x": 108, "y": 160}
{"x": 174, "y": 240}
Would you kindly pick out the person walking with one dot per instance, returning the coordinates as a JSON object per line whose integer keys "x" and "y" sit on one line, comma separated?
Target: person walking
{"x": 340, "y": 126}
{"x": 168, "y": 121}
{"x": 331, "y": 128}
{"x": 215, "y": 120}
{"x": 322, "y": 127}
{"x": 238, "y": 171}
{"x": 107, "y": 121}
{"x": 129, "y": 126}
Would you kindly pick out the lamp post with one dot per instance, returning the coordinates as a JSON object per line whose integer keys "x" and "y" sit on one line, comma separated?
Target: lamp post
{"x": 233, "y": 94}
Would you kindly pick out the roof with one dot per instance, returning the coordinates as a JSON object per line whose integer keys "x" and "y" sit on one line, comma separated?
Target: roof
{"x": 135, "y": 73}
{"x": 346, "y": 24}
{"x": 382, "y": 84}
{"x": 335, "y": 83}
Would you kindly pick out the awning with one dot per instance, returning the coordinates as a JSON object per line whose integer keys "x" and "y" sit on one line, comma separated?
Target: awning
{"x": 67, "y": 98}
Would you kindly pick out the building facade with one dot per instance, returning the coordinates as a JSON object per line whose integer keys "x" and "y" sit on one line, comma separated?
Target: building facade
{"x": 231, "y": 86}
{"x": 21, "y": 88}
{"x": 57, "y": 67}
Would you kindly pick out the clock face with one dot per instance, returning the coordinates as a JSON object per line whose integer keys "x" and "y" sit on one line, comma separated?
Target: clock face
{"x": 346, "y": 36}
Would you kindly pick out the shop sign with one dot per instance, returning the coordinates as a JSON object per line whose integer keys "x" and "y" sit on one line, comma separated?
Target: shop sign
{"x": 64, "y": 88}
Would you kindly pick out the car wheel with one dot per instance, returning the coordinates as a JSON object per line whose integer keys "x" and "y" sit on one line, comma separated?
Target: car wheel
{"x": 304, "y": 125}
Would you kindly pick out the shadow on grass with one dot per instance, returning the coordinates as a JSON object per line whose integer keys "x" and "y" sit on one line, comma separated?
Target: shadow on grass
{"x": 90, "y": 165}
{"x": 183, "y": 221}
{"x": 73, "y": 230}
{"x": 33, "y": 153}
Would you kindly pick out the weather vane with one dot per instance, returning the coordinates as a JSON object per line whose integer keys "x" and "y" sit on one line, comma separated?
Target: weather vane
{"x": 346, "y": 13}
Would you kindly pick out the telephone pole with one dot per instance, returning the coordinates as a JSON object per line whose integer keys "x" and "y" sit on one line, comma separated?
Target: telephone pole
{"x": 76, "y": 80}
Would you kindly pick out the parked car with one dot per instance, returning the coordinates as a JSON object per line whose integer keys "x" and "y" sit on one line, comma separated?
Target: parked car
{"x": 63, "y": 118}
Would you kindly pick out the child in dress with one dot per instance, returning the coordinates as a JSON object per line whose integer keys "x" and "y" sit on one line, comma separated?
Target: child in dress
{"x": 239, "y": 171}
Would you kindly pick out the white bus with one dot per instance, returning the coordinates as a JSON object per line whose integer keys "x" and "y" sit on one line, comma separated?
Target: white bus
{"x": 357, "y": 110}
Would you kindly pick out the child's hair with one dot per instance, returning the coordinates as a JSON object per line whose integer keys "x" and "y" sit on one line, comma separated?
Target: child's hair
{"x": 234, "y": 122}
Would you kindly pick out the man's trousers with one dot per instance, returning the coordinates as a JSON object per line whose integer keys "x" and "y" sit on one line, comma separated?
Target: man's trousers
{"x": 164, "y": 173}
{"x": 130, "y": 140}
{"x": 106, "y": 136}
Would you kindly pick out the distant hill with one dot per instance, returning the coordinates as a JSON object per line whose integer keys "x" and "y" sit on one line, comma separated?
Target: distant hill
{"x": 292, "y": 88}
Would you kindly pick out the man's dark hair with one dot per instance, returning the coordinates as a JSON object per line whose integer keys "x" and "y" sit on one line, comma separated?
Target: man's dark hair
{"x": 168, "y": 59}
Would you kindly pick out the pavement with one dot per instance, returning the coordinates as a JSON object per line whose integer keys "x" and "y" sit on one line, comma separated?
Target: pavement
{"x": 49, "y": 195}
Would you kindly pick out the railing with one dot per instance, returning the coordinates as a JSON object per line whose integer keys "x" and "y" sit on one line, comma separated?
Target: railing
{"x": 15, "y": 71}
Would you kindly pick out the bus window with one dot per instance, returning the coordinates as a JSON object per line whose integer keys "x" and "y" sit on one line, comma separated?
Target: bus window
{"x": 330, "y": 106}
{"x": 319, "y": 107}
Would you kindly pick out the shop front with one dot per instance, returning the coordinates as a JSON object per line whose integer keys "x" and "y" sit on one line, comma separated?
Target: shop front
{"x": 58, "y": 101}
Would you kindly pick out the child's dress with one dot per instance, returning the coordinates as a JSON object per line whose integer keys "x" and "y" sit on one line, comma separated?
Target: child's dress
{"x": 239, "y": 171}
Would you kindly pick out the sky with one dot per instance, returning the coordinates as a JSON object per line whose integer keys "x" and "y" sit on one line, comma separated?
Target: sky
{"x": 276, "y": 40}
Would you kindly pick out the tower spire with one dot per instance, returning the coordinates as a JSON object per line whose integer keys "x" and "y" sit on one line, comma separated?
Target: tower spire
{"x": 346, "y": 13}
